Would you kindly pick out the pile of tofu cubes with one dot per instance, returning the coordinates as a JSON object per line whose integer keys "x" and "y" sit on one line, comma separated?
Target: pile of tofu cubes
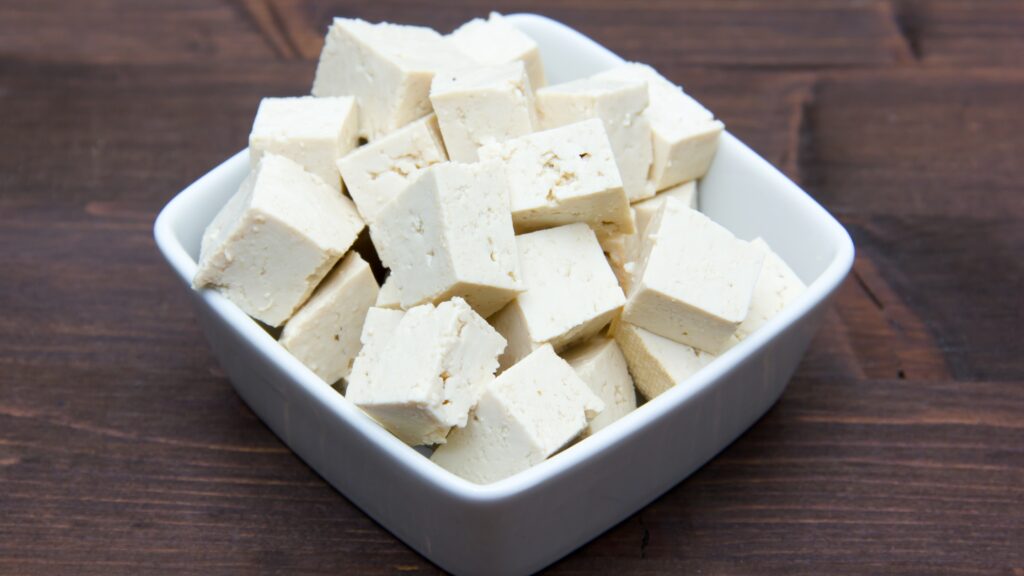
{"x": 546, "y": 259}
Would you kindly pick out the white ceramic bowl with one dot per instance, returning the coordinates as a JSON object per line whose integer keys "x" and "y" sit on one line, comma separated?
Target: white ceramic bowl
{"x": 527, "y": 521}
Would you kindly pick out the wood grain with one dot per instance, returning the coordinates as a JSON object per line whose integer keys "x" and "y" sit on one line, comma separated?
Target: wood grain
{"x": 898, "y": 447}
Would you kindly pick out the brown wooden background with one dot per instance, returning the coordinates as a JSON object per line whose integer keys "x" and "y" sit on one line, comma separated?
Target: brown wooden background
{"x": 898, "y": 447}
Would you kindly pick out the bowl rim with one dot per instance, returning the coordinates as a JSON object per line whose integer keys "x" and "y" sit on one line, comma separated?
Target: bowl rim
{"x": 818, "y": 290}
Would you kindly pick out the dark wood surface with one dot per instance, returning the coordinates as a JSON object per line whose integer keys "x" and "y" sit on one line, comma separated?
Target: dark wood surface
{"x": 897, "y": 448}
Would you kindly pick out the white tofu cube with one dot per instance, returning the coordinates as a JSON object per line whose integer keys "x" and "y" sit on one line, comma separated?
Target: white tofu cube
{"x": 497, "y": 41}
{"x": 624, "y": 250}
{"x": 694, "y": 281}
{"x": 571, "y": 292}
{"x": 525, "y": 415}
{"x": 563, "y": 175}
{"x": 378, "y": 328}
{"x": 324, "y": 333}
{"x": 602, "y": 366}
{"x": 388, "y": 297}
{"x": 477, "y": 106}
{"x": 449, "y": 234}
{"x": 619, "y": 105}
{"x": 657, "y": 363}
{"x": 386, "y": 67}
{"x": 314, "y": 132}
{"x": 777, "y": 286}
{"x": 685, "y": 133}
{"x": 376, "y": 172}
{"x": 275, "y": 239}
{"x": 422, "y": 377}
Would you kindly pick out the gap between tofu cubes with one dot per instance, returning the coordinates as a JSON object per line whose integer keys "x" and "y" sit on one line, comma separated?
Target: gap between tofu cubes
{"x": 547, "y": 260}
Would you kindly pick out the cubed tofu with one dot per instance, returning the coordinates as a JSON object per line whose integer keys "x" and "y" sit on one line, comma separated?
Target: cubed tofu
{"x": 525, "y": 415}
{"x": 694, "y": 281}
{"x": 448, "y": 234}
{"x": 376, "y": 172}
{"x": 422, "y": 378}
{"x": 624, "y": 250}
{"x": 497, "y": 41}
{"x": 378, "y": 328}
{"x": 324, "y": 333}
{"x": 388, "y": 297}
{"x": 481, "y": 105}
{"x": 275, "y": 239}
{"x": 571, "y": 292}
{"x": 619, "y": 105}
{"x": 602, "y": 366}
{"x": 561, "y": 176}
{"x": 685, "y": 133}
{"x": 386, "y": 67}
{"x": 314, "y": 132}
{"x": 657, "y": 363}
{"x": 777, "y": 286}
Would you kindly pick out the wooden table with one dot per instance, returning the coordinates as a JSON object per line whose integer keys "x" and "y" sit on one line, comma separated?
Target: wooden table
{"x": 897, "y": 448}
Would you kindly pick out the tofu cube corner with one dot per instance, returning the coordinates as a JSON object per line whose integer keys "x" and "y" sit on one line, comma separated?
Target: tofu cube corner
{"x": 695, "y": 279}
{"x": 275, "y": 239}
{"x": 570, "y": 292}
{"x": 525, "y": 415}
{"x": 386, "y": 67}
{"x": 313, "y": 132}
{"x": 449, "y": 233}
{"x": 421, "y": 371}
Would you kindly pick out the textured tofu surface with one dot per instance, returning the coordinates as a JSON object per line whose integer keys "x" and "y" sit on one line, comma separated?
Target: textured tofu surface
{"x": 423, "y": 377}
{"x": 571, "y": 292}
{"x": 449, "y": 233}
{"x": 685, "y": 133}
{"x": 388, "y": 296}
{"x": 695, "y": 279}
{"x": 324, "y": 333}
{"x": 496, "y": 41}
{"x": 376, "y": 172}
{"x": 274, "y": 241}
{"x": 482, "y": 105}
{"x": 601, "y": 364}
{"x": 564, "y": 175}
{"x": 777, "y": 286}
{"x": 619, "y": 104}
{"x": 624, "y": 250}
{"x": 313, "y": 132}
{"x": 386, "y": 67}
{"x": 525, "y": 415}
{"x": 655, "y": 362}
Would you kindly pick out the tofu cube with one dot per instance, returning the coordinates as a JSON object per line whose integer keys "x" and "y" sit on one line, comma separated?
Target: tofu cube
{"x": 388, "y": 297}
{"x": 602, "y": 366}
{"x": 685, "y": 133}
{"x": 376, "y": 172}
{"x": 275, "y": 239}
{"x": 525, "y": 415}
{"x": 563, "y": 175}
{"x": 570, "y": 294}
{"x": 314, "y": 132}
{"x": 497, "y": 41}
{"x": 619, "y": 105}
{"x": 448, "y": 234}
{"x": 386, "y": 67}
{"x": 324, "y": 333}
{"x": 477, "y": 106}
{"x": 694, "y": 281}
{"x": 657, "y": 363}
{"x": 624, "y": 250}
{"x": 422, "y": 377}
{"x": 777, "y": 286}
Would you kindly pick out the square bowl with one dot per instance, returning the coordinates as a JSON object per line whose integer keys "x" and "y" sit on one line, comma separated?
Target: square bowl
{"x": 523, "y": 523}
